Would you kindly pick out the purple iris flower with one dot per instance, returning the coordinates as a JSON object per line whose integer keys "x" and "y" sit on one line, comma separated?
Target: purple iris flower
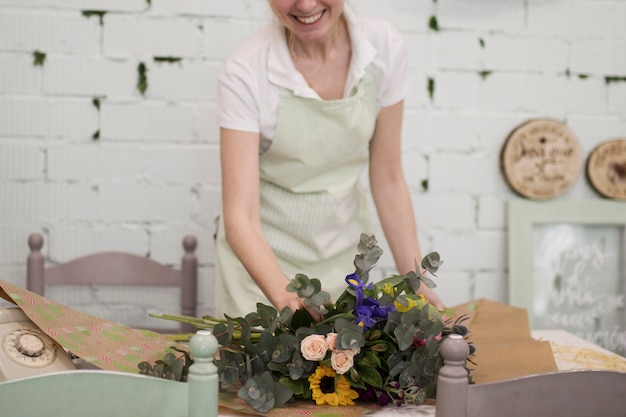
{"x": 367, "y": 309}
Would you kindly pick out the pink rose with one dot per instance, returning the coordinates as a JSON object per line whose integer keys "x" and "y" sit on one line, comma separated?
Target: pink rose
{"x": 313, "y": 347}
{"x": 342, "y": 360}
{"x": 331, "y": 341}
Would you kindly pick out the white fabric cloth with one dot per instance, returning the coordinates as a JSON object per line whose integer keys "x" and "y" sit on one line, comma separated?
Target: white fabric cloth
{"x": 251, "y": 78}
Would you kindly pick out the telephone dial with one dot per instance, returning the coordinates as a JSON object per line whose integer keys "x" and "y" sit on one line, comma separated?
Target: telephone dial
{"x": 26, "y": 350}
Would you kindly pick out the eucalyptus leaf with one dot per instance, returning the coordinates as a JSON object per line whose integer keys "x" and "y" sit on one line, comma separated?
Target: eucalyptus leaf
{"x": 432, "y": 262}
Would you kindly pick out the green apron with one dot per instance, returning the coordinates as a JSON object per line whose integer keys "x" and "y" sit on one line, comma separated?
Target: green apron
{"x": 313, "y": 206}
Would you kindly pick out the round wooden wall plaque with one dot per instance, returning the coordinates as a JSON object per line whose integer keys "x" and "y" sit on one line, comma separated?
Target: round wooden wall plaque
{"x": 606, "y": 169}
{"x": 541, "y": 159}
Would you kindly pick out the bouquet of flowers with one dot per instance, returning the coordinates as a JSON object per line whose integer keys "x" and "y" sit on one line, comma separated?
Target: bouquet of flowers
{"x": 377, "y": 342}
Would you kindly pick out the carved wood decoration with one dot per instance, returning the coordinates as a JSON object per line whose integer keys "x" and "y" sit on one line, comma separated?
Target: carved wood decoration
{"x": 606, "y": 169}
{"x": 541, "y": 159}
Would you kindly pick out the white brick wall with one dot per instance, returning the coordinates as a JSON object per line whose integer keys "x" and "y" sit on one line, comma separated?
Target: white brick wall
{"x": 92, "y": 163}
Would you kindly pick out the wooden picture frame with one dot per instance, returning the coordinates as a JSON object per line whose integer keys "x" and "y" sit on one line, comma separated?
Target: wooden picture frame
{"x": 567, "y": 267}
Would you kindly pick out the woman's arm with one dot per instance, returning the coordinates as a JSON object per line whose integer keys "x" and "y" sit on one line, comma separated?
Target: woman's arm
{"x": 239, "y": 152}
{"x": 391, "y": 195}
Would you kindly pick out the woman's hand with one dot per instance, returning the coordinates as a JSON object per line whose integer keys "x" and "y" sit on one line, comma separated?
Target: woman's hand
{"x": 294, "y": 302}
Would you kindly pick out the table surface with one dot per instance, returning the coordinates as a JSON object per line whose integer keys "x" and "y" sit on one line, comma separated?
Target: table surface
{"x": 570, "y": 352}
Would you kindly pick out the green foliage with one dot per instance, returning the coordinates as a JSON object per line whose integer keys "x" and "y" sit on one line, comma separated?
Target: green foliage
{"x": 99, "y": 13}
{"x": 170, "y": 367}
{"x": 142, "y": 78}
{"x": 395, "y": 351}
{"x": 167, "y": 59}
{"x": 38, "y": 58}
{"x": 614, "y": 79}
{"x": 484, "y": 74}
{"x": 96, "y": 135}
{"x": 431, "y": 88}
{"x": 425, "y": 185}
{"x": 482, "y": 42}
{"x": 433, "y": 24}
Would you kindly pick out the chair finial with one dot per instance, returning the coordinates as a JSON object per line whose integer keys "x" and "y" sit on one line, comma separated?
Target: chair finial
{"x": 35, "y": 242}
{"x": 190, "y": 243}
{"x": 203, "y": 377}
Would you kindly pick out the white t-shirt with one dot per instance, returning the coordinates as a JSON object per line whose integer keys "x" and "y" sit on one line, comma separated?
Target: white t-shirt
{"x": 251, "y": 78}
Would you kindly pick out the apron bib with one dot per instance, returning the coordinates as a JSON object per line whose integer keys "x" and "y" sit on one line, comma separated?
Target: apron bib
{"x": 313, "y": 206}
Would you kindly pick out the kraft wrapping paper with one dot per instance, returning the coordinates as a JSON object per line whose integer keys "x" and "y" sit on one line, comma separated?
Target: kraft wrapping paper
{"x": 504, "y": 346}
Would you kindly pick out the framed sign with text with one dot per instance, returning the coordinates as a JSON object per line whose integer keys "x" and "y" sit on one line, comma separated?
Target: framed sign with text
{"x": 567, "y": 267}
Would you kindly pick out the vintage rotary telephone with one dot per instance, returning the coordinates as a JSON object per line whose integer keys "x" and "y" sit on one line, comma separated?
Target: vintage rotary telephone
{"x": 26, "y": 350}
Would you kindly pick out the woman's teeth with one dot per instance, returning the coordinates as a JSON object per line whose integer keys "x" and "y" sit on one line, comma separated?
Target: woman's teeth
{"x": 309, "y": 19}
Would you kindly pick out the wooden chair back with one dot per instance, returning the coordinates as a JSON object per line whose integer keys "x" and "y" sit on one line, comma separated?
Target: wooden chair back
{"x": 98, "y": 393}
{"x": 118, "y": 268}
{"x": 579, "y": 393}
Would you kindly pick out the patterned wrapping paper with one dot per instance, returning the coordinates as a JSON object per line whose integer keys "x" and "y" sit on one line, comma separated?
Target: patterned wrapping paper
{"x": 105, "y": 344}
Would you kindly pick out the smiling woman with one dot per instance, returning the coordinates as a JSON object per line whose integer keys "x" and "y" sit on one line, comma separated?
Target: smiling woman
{"x": 305, "y": 105}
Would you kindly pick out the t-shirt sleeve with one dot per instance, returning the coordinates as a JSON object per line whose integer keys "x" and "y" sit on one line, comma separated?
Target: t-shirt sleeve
{"x": 393, "y": 83}
{"x": 237, "y": 98}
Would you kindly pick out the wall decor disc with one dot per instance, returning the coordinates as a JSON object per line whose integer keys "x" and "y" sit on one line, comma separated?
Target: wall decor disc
{"x": 606, "y": 169}
{"x": 541, "y": 159}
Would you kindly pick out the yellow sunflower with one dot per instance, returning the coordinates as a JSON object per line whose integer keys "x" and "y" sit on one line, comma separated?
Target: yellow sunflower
{"x": 327, "y": 389}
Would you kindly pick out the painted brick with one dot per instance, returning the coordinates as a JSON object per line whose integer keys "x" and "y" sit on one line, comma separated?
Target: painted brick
{"x": 207, "y": 207}
{"x": 415, "y": 167}
{"x": 527, "y": 93}
{"x": 586, "y": 96}
{"x": 19, "y": 75}
{"x": 21, "y": 160}
{"x": 181, "y": 165}
{"x": 95, "y": 162}
{"x": 477, "y": 251}
{"x": 221, "y": 37}
{"x": 183, "y": 81}
{"x": 128, "y": 36}
{"x": 406, "y": 15}
{"x": 456, "y": 51}
{"x": 49, "y": 32}
{"x": 89, "y": 76}
{"x": 445, "y": 211}
{"x": 492, "y": 212}
{"x": 48, "y": 203}
{"x": 506, "y": 53}
{"x": 456, "y": 90}
{"x": 144, "y": 203}
{"x": 35, "y": 116}
{"x": 505, "y": 15}
{"x": 146, "y": 121}
{"x": 454, "y": 288}
{"x": 14, "y": 244}
{"x": 549, "y": 18}
{"x": 201, "y": 7}
{"x": 604, "y": 58}
{"x": 591, "y": 131}
{"x": 66, "y": 243}
{"x": 617, "y": 99}
{"x": 205, "y": 123}
{"x": 491, "y": 285}
{"x": 475, "y": 173}
{"x": 105, "y": 5}
{"x": 166, "y": 244}
{"x": 418, "y": 96}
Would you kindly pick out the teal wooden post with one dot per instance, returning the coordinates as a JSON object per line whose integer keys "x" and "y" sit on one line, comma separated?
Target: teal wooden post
{"x": 203, "y": 378}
